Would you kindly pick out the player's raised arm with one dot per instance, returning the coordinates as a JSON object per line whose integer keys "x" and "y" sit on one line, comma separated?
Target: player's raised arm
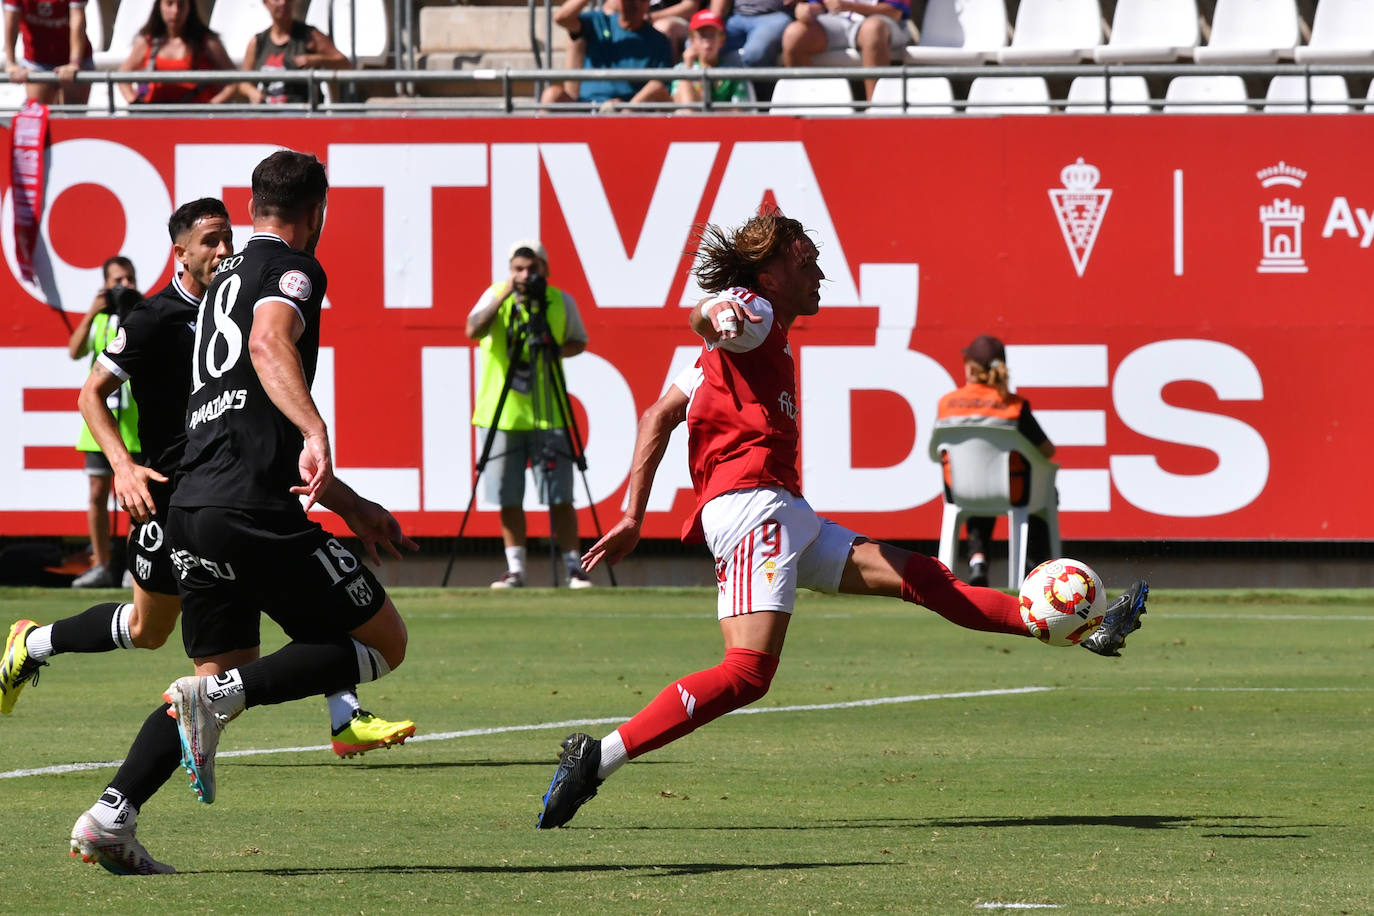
{"x": 721, "y": 317}
{"x": 651, "y": 441}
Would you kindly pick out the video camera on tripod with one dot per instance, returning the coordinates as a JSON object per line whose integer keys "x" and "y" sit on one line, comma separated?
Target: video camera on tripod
{"x": 530, "y": 332}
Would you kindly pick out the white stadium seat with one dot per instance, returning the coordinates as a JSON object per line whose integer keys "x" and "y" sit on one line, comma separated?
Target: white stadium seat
{"x": 1288, "y": 95}
{"x": 1054, "y": 32}
{"x": 95, "y": 25}
{"x": 1342, "y": 33}
{"x": 374, "y": 35}
{"x": 957, "y": 32}
{"x": 129, "y": 19}
{"x": 1001, "y": 95}
{"x": 925, "y": 95}
{"x": 237, "y": 21}
{"x": 1151, "y": 31}
{"x": 1205, "y": 95}
{"x": 826, "y": 96}
{"x": 1251, "y": 32}
{"x": 1088, "y": 95}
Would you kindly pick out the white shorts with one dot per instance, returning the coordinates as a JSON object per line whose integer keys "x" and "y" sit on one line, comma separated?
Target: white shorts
{"x": 768, "y": 544}
{"x": 842, "y": 31}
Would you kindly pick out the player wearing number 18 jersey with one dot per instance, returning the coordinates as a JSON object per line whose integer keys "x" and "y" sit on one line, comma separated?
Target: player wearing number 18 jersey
{"x": 741, "y": 409}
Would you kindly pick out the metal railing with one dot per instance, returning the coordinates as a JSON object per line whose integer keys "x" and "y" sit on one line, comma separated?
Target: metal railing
{"x": 507, "y": 90}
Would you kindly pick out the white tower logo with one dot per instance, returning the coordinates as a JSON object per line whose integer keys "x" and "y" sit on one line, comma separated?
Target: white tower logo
{"x": 1080, "y": 207}
{"x": 1281, "y": 223}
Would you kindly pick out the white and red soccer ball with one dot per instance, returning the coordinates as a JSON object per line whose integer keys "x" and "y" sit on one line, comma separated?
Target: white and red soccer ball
{"x": 1062, "y": 601}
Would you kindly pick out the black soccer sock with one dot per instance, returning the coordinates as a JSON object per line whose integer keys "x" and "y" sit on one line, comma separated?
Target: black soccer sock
{"x": 99, "y": 628}
{"x": 299, "y": 670}
{"x": 153, "y": 758}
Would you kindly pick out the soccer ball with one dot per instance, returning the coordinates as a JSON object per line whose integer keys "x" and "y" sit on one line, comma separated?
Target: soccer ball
{"x": 1062, "y": 601}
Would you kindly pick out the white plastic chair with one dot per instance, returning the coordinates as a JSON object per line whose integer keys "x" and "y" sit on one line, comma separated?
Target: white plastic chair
{"x": 1088, "y": 95}
{"x": 95, "y": 26}
{"x": 925, "y": 95}
{"x": 979, "y": 465}
{"x": 1288, "y": 95}
{"x": 1251, "y": 32}
{"x": 237, "y": 21}
{"x": 956, "y": 32}
{"x": 1054, "y": 32}
{"x": 1001, "y": 95}
{"x": 129, "y": 19}
{"x": 1342, "y": 32}
{"x": 825, "y": 96}
{"x": 98, "y": 105}
{"x": 374, "y": 34}
{"x": 1151, "y": 31}
{"x": 1205, "y": 95}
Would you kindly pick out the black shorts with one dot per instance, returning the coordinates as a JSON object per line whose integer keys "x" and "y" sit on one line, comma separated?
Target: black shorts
{"x": 234, "y": 563}
{"x": 150, "y": 559}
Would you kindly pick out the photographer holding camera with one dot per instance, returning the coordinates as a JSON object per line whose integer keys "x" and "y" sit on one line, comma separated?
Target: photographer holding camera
{"x": 527, "y": 427}
{"x": 98, "y": 329}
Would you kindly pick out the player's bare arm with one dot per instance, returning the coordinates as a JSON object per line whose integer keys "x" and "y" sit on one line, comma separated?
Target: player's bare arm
{"x": 130, "y": 478}
{"x": 718, "y": 318}
{"x": 651, "y": 441}
{"x": 272, "y": 347}
{"x": 370, "y": 521}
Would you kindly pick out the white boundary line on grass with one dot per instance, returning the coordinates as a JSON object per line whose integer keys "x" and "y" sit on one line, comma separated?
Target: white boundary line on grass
{"x": 748, "y": 711}
{"x": 568, "y": 723}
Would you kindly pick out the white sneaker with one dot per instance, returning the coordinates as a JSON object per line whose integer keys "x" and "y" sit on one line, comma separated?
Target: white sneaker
{"x": 199, "y": 728}
{"x": 509, "y": 580}
{"x": 95, "y": 577}
{"x": 578, "y": 579}
{"x": 116, "y": 849}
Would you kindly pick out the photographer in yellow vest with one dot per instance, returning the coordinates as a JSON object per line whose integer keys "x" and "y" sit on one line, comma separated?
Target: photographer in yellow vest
{"x": 529, "y": 430}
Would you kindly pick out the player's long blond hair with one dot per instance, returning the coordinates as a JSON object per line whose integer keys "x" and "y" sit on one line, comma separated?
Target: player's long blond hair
{"x": 995, "y": 375}
{"x": 726, "y": 259}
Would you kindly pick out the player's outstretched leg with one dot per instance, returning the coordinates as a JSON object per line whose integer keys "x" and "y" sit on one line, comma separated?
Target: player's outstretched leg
{"x": 366, "y": 732}
{"x": 1121, "y": 619}
{"x": 199, "y": 727}
{"x": 114, "y": 847}
{"x": 574, "y": 782}
{"x": 16, "y": 667}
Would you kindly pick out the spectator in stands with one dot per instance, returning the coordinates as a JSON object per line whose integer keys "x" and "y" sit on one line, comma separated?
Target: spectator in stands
{"x": 174, "y": 38}
{"x": 97, "y": 329}
{"x": 616, "y": 37}
{"x": 874, "y": 28}
{"x": 673, "y": 18}
{"x": 985, "y": 400}
{"x": 705, "y": 44}
{"x": 54, "y": 42}
{"x": 753, "y": 30}
{"x": 289, "y": 44}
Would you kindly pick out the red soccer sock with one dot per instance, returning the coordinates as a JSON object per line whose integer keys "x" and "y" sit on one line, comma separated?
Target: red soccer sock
{"x": 692, "y": 701}
{"x": 928, "y": 582}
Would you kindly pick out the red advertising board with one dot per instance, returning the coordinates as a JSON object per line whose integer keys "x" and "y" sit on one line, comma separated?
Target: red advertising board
{"x": 1181, "y": 296}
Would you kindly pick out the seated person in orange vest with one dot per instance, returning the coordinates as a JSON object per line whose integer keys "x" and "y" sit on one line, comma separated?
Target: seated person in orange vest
{"x": 984, "y": 400}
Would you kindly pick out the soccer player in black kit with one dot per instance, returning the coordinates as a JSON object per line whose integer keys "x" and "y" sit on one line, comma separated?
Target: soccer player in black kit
{"x": 220, "y": 624}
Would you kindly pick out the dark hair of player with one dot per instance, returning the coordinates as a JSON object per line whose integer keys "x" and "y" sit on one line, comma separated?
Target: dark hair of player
{"x": 727, "y": 259}
{"x": 287, "y": 184}
{"x": 122, "y": 262}
{"x": 195, "y": 31}
{"x": 187, "y": 215}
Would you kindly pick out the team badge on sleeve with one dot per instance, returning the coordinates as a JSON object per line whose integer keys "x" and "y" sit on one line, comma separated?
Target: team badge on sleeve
{"x": 120, "y": 340}
{"x": 295, "y": 284}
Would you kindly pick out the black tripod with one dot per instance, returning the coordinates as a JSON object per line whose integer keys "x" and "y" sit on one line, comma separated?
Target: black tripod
{"x": 540, "y": 376}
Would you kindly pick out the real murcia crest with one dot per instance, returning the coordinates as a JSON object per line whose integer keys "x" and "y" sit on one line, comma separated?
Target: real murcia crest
{"x": 1080, "y": 206}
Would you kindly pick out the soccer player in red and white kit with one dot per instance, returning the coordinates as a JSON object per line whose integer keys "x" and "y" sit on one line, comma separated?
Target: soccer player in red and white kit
{"x": 740, "y": 404}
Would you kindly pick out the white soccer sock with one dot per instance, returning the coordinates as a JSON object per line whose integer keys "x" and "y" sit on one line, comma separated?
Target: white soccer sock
{"x": 612, "y": 755}
{"x": 342, "y": 706}
{"x": 371, "y": 664}
{"x": 515, "y": 560}
{"x": 39, "y": 643}
{"x": 225, "y": 692}
{"x": 573, "y": 560}
{"x": 113, "y": 810}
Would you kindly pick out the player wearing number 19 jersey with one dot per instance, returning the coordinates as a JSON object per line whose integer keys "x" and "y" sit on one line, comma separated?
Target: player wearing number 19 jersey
{"x": 741, "y": 407}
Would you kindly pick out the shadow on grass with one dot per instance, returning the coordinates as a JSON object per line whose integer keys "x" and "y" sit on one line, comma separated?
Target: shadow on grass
{"x": 395, "y": 764}
{"x": 1247, "y": 825}
{"x": 653, "y": 870}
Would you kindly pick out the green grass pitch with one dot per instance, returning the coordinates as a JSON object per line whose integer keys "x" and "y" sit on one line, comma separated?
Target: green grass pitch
{"x": 1222, "y": 765}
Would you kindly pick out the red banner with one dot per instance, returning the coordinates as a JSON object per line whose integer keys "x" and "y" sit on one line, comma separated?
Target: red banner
{"x": 28, "y": 136}
{"x": 1180, "y": 297}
